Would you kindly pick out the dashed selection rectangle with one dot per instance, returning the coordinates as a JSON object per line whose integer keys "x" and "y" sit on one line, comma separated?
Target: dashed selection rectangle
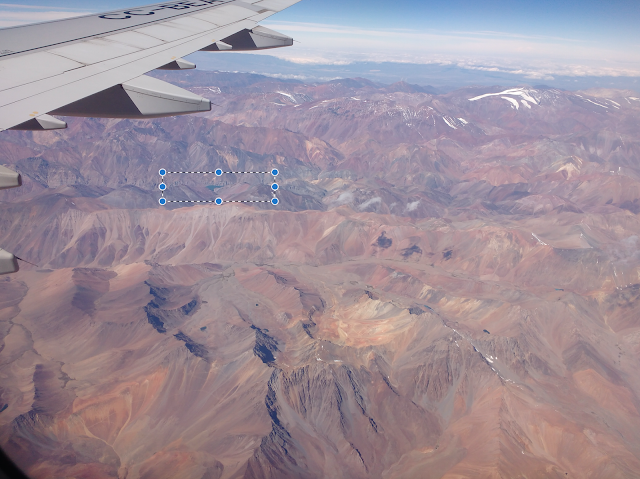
{"x": 218, "y": 172}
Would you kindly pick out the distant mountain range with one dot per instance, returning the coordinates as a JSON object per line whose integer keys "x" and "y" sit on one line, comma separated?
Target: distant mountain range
{"x": 449, "y": 286}
{"x": 444, "y": 76}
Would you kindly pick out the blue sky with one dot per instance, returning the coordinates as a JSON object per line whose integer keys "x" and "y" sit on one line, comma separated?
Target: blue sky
{"x": 557, "y": 18}
{"x": 604, "y": 20}
{"x": 536, "y": 38}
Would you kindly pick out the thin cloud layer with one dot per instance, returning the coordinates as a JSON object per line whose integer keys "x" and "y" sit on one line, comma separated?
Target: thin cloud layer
{"x": 536, "y": 57}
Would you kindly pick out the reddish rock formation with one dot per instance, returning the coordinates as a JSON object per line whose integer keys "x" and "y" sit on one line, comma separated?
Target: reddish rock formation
{"x": 448, "y": 288}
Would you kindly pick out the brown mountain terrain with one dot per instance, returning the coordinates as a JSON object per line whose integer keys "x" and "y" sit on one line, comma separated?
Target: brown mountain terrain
{"x": 449, "y": 287}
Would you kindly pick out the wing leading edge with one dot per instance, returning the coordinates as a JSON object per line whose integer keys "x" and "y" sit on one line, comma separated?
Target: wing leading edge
{"x": 95, "y": 65}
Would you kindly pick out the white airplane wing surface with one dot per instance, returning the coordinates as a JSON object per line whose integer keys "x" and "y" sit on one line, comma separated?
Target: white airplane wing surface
{"x": 60, "y": 66}
{"x": 95, "y": 65}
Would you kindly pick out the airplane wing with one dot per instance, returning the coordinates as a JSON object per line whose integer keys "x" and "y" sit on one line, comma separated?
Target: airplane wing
{"x": 48, "y": 67}
{"x": 95, "y": 65}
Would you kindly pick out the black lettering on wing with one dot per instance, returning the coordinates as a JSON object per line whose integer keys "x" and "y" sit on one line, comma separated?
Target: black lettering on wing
{"x": 132, "y": 12}
{"x": 109, "y": 17}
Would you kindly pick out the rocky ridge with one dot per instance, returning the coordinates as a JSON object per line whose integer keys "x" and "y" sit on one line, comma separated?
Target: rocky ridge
{"x": 449, "y": 288}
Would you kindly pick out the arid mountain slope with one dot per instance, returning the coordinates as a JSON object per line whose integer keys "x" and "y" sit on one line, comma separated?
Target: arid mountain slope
{"x": 433, "y": 297}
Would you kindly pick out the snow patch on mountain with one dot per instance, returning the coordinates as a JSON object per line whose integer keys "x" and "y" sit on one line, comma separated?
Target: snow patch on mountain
{"x": 598, "y": 104}
{"x": 449, "y": 123}
{"x": 539, "y": 240}
{"x": 513, "y": 102}
{"x": 287, "y": 95}
{"x": 526, "y": 94}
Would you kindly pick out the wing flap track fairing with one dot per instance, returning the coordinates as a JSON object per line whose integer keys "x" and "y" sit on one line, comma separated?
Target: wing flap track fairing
{"x": 257, "y": 38}
{"x": 142, "y": 97}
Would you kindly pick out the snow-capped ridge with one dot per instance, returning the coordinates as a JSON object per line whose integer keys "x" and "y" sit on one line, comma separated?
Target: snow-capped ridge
{"x": 527, "y": 94}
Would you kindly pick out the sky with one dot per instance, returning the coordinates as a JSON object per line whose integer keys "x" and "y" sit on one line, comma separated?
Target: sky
{"x": 536, "y": 39}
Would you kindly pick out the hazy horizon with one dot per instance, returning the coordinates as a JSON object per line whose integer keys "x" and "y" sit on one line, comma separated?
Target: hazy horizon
{"x": 570, "y": 45}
